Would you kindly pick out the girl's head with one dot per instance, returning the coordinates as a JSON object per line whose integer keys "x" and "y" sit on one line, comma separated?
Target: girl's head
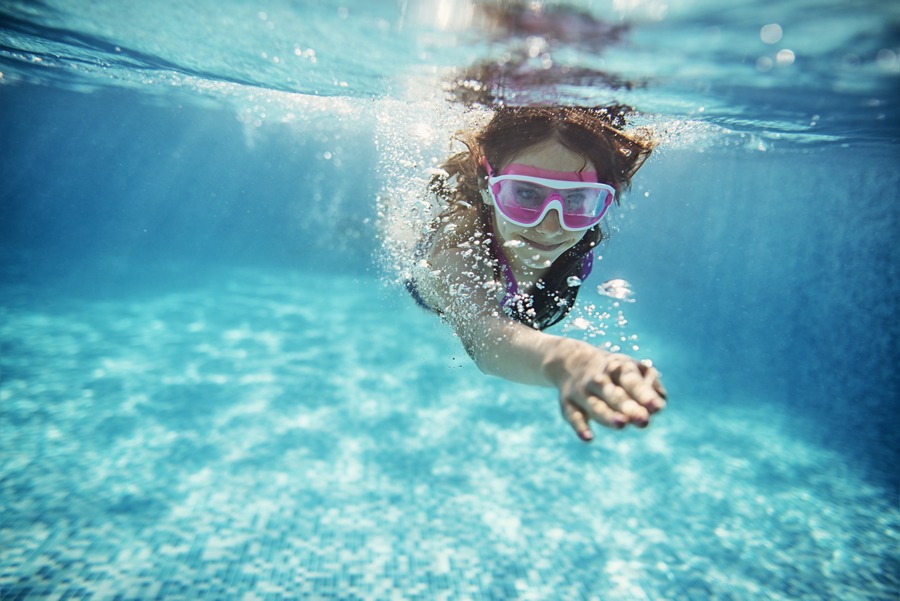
{"x": 593, "y": 133}
{"x": 561, "y": 139}
{"x": 569, "y": 140}
{"x": 532, "y": 218}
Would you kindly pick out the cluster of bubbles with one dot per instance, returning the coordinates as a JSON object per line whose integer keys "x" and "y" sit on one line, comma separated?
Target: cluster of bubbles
{"x": 412, "y": 146}
{"x": 412, "y": 141}
{"x": 605, "y": 324}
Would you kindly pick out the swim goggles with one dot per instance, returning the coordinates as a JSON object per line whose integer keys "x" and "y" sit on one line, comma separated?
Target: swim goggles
{"x": 524, "y": 195}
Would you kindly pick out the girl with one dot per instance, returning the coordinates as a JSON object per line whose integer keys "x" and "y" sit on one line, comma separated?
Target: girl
{"x": 504, "y": 259}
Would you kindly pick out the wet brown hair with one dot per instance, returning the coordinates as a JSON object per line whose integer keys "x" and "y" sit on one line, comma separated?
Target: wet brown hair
{"x": 595, "y": 133}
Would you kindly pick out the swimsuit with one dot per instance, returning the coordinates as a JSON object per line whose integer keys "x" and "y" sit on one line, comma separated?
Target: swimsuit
{"x": 512, "y": 287}
{"x": 517, "y": 306}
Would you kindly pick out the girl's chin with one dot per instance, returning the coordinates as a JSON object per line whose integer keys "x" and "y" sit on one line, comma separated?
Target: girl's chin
{"x": 538, "y": 260}
{"x": 538, "y": 265}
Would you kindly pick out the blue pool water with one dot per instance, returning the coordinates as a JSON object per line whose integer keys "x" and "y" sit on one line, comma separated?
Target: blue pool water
{"x": 211, "y": 385}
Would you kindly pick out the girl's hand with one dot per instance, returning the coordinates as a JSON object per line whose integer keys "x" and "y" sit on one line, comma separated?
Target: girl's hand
{"x": 611, "y": 389}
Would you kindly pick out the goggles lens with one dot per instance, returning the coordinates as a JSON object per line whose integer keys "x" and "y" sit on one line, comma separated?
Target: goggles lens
{"x": 524, "y": 195}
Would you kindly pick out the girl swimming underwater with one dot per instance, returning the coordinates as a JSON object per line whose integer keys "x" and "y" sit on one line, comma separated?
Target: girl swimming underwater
{"x": 520, "y": 219}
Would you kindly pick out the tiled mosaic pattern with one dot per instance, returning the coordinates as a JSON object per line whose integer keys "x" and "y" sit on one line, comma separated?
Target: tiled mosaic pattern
{"x": 294, "y": 436}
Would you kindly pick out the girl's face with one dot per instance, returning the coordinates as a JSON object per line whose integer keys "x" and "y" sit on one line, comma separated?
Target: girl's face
{"x": 536, "y": 247}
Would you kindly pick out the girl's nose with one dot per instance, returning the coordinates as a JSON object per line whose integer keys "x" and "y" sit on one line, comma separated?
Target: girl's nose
{"x": 549, "y": 225}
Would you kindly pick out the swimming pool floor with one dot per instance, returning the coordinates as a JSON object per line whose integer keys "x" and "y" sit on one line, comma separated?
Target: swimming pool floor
{"x": 279, "y": 435}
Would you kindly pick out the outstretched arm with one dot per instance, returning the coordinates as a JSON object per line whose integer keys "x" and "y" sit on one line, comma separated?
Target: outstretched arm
{"x": 611, "y": 389}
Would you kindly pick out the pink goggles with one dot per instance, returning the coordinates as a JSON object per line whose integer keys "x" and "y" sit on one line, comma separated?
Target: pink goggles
{"x": 524, "y": 195}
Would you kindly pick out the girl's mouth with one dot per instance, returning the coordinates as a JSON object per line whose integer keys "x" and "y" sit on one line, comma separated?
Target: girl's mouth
{"x": 543, "y": 247}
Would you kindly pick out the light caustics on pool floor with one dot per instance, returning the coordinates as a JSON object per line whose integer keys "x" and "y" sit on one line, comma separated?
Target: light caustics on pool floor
{"x": 290, "y": 435}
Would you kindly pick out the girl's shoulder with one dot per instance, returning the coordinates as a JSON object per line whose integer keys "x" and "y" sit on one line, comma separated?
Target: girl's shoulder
{"x": 460, "y": 229}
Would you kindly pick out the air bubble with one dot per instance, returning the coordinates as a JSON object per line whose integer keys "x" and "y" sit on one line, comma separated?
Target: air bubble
{"x": 573, "y": 281}
{"x": 619, "y": 289}
{"x": 886, "y": 58}
{"x": 784, "y": 57}
{"x": 581, "y": 323}
{"x": 770, "y": 34}
{"x": 513, "y": 244}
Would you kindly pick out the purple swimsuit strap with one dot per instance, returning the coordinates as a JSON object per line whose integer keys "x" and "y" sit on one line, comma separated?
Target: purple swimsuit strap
{"x": 587, "y": 264}
{"x": 512, "y": 287}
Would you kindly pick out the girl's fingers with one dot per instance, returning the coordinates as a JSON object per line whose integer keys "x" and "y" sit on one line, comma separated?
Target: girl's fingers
{"x": 578, "y": 419}
{"x": 658, "y": 387}
{"x": 635, "y": 381}
{"x": 639, "y": 389}
{"x": 617, "y": 398}
{"x": 651, "y": 375}
{"x": 593, "y": 408}
{"x": 603, "y": 414}
{"x": 624, "y": 391}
